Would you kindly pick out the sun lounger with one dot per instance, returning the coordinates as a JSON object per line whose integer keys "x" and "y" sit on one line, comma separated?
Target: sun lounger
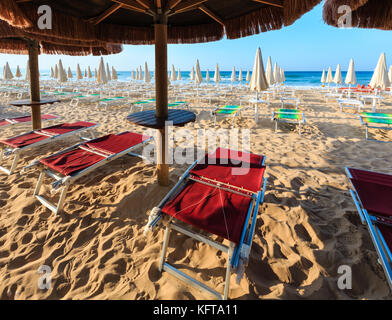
{"x": 24, "y": 142}
{"x": 24, "y": 120}
{"x": 350, "y": 103}
{"x": 93, "y": 97}
{"x": 289, "y": 116}
{"x": 69, "y": 165}
{"x": 227, "y": 111}
{"x": 212, "y": 198}
{"x": 293, "y": 101}
{"x": 376, "y": 121}
{"x": 372, "y": 193}
{"x": 113, "y": 101}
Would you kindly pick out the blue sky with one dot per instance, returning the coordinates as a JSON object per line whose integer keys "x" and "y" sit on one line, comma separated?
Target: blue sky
{"x": 307, "y": 45}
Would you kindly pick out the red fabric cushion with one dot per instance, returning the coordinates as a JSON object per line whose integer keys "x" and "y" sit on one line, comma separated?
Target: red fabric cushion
{"x": 374, "y": 189}
{"x": 75, "y": 160}
{"x": 210, "y": 209}
{"x": 27, "y": 119}
{"x": 386, "y": 232}
{"x": 31, "y": 138}
{"x": 113, "y": 143}
{"x": 240, "y": 169}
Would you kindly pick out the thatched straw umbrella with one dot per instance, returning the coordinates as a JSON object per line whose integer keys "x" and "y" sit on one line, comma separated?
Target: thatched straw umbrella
{"x": 159, "y": 22}
{"x": 365, "y": 13}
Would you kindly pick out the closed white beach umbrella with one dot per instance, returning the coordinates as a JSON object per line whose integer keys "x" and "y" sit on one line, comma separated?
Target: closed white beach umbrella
{"x": 351, "y": 78}
{"x": 269, "y": 73}
{"x": 114, "y": 74}
{"x": 7, "y": 72}
{"x": 108, "y": 77}
{"x": 198, "y": 76}
{"x": 18, "y": 74}
{"x": 95, "y": 73}
{"x": 56, "y": 71}
{"x": 208, "y": 76}
{"x": 282, "y": 76}
{"x": 27, "y": 76}
{"x": 329, "y": 76}
{"x": 338, "y": 75}
{"x": 248, "y": 76}
{"x": 233, "y": 75}
{"x": 240, "y": 77}
{"x": 173, "y": 75}
{"x": 217, "y": 77}
{"x": 258, "y": 82}
{"x": 79, "y": 75}
{"x": 62, "y": 76}
{"x": 179, "y": 74}
{"x": 89, "y": 74}
{"x": 147, "y": 74}
{"x": 137, "y": 74}
{"x": 51, "y": 72}
{"x": 101, "y": 77}
{"x": 133, "y": 76}
{"x": 323, "y": 77}
{"x": 141, "y": 77}
{"x": 69, "y": 74}
{"x": 380, "y": 77}
{"x": 85, "y": 73}
{"x": 192, "y": 75}
{"x": 276, "y": 73}
{"x": 390, "y": 74}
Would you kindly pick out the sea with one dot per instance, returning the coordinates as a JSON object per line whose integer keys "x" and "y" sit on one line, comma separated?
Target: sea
{"x": 307, "y": 79}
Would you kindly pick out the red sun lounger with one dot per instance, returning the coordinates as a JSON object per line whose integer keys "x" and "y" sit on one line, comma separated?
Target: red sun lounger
{"x": 68, "y": 165}
{"x": 24, "y": 142}
{"x": 219, "y": 195}
{"x": 372, "y": 194}
{"x": 25, "y": 120}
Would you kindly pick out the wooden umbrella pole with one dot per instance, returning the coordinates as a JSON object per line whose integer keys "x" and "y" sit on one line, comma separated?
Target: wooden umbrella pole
{"x": 161, "y": 95}
{"x": 34, "y": 82}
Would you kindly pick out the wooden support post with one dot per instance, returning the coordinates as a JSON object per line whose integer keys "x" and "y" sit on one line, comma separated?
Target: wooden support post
{"x": 161, "y": 95}
{"x": 34, "y": 83}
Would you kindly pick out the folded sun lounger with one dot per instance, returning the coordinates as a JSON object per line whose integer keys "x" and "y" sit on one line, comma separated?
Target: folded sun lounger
{"x": 25, "y": 120}
{"x": 376, "y": 121}
{"x": 289, "y": 116}
{"x": 24, "y": 142}
{"x": 112, "y": 101}
{"x": 69, "y": 165}
{"x": 350, "y": 103}
{"x": 372, "y": 193}
{"x": 217, "y": 196}
{"x": 227, "y": 111}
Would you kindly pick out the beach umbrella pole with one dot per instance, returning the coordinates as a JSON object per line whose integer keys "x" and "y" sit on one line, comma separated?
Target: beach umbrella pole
{"x": 33, "y": 48}
{"x": 161, "y": 95}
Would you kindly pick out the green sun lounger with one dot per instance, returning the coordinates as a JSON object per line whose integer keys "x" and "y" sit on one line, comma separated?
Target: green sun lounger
{"x": 227, "y": 111}
{"x": 376, "y": 120}
{"x": 289, "y": 116}
{"x": 111, "y": 101}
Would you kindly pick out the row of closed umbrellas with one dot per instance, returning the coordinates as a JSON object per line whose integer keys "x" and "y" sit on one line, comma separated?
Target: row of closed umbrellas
{"x": 381, "y": 78}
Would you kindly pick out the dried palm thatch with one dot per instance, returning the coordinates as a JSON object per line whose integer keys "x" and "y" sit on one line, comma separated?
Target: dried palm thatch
{"x": 189, "y": 21}
{"x": 365, "y": 13}
{"x": 10, "y": 12}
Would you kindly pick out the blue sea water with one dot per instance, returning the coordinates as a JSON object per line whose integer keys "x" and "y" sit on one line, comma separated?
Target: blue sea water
{"x": 293, "y": 78}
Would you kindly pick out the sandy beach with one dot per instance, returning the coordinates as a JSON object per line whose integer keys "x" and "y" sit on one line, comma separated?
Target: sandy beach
{"x": 307, "y": 227}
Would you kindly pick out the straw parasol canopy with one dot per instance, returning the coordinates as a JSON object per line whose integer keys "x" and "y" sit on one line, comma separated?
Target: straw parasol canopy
{"x": 365, "y": 13}
{"x": 258, "y": 82}
{"x": 18, "y": 74}
{"x": 159, "y": 22}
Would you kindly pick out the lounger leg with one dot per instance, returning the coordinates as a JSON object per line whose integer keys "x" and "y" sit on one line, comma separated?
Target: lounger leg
{"x": 276, "y": 126}
{"x": 1, "y": 154}
{"x": 14, "y": 163}
{"x": 367, "y": 133}
{"x": 228, "y": 271}
{"x": 62, "y": 198}
{"x": 39, "y": 183}
{"x": 164, "y": 247}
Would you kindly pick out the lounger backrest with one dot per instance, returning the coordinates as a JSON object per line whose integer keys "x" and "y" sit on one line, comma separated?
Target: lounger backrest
{"x": 373, "y": 117}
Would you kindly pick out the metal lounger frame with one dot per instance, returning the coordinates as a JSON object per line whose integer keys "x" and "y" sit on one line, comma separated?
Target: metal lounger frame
{"x": 18, "y": 151}
{"x": 299, "y": 122}
{"x": 238, "y": 255}
{"x": 234, "y": 115}
{"x": 384, "y": 254}
{"x": 71, "y": 179}
{"x": 367, "y": 126}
